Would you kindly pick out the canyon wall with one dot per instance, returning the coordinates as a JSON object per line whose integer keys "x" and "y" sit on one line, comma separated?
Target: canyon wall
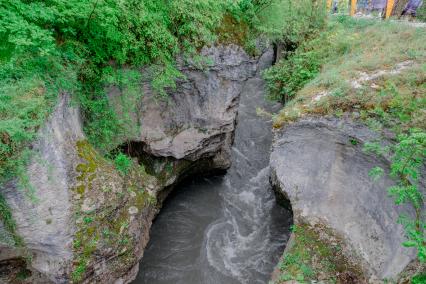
{"x": 87, "y": 222}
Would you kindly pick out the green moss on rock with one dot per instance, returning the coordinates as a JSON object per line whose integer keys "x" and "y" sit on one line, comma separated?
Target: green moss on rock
{"x": 9, "y": 235}
{"x": 103, "y": 228}
{"x": 311, "y": 256}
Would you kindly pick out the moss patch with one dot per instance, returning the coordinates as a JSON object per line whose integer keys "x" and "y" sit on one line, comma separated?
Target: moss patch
{"x": 232, "y": 31}
{"x": 313, "y": 257}
{"x": 103, "y": 230}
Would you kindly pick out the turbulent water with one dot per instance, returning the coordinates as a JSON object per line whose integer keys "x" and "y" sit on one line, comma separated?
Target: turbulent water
{"x": 227, "y": 229}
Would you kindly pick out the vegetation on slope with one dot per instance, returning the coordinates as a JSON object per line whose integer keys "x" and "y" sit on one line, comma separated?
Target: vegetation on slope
{"x": 72, "y": 46}
{"x": 309, "y": 257}
{"x": 365, "y": 70}
{"x": 53, "y": 47}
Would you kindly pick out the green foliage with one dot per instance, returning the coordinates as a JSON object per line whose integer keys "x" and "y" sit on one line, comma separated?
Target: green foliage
{"x": 76, "y": 47}
{"x": 287, "y": 77}
{"x": 408, "y": 157}
{"x": 55, "y": 46}
{"x": 292, "y": 22}
{"x": 28, "y": 88}
{"x": 309, "y": 257}
{"x": 316, "y": 43}
{"x": 87, "y": 220}
{"x": 79, "y": 271}
{"x": 419, "y": 279}
{"x": 122, "y": 163}
{"x": 394, "y": 101}
{"x": 9, "y": 225}
{"x": 376, "y": 173}
{"x": 302, "y": 59}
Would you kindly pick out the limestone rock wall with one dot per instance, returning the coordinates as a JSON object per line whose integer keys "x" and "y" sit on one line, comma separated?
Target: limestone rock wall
{"x": 87, "y": 222}
{"x": 319, "y": 165}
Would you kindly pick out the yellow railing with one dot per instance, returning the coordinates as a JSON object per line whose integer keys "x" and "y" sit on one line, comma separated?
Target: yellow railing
{"x": 353, "y": 5}
{"x": 389, "y": 8}
{"x": 329, "y": 3}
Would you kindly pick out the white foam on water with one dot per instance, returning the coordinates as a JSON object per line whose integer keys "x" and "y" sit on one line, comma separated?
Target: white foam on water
{"x": 247, "y": 197}
{"x": 240, "y": 154}
{"x": 244, "y": 232}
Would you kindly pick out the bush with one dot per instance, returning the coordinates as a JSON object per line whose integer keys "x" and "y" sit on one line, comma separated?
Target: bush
{"x": 289, "y": 75}
{"x": 408, "y": 157}
{"x": 298, "y": 22}
{"x": 292, "y": 22}
{"x": 122, "y": 163}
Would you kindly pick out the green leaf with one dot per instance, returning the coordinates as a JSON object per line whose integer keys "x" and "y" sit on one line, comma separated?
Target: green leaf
{"x": 376, "y": 173}
{"x": 409, "y": 244}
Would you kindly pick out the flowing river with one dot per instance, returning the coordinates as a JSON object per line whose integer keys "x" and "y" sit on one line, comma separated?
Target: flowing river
{"x": 223, "y": 229}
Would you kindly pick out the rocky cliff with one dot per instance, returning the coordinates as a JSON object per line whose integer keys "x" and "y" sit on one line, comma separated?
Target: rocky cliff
{"x": 90, "y": 223}
{"x": 319, "y": 165}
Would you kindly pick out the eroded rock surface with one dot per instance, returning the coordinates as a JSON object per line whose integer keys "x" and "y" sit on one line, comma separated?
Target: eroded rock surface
{"x": 44, "y": 221}
{"x": 88, "y": 223}
{"x": 200, "y": 114}
{"x": 203, "y": 107}
{"x": 319, "y": 165}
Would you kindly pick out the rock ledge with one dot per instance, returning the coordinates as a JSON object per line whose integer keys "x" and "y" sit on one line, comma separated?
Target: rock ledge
{"x": 318, "y": 165}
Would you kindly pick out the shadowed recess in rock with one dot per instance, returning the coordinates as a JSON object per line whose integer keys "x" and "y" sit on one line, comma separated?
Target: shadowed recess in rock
{"x": 223, "y": 229}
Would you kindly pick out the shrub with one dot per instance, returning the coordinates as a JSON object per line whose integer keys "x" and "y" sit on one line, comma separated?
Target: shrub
{"x": 288, "y": 76}
{"x": 408, "y": 157}
{"x": 292, "y": 22}
{"x": 122, "y": 163}
{"x": 297, "y": 22}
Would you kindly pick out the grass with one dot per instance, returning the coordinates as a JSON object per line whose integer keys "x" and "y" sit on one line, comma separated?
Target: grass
{"x": 392, "y": 100}
{"x": 311, "y": 257}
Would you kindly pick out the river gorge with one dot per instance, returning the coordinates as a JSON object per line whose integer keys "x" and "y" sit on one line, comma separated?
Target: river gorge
{"x": 223, "y": 229}
{"x": 172, "y": 219}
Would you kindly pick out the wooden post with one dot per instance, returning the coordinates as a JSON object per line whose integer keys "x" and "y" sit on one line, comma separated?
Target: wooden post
{"x": 389, "y": 8}
{"x": 353, "y": 7}
{"x": 329, "y": 3}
